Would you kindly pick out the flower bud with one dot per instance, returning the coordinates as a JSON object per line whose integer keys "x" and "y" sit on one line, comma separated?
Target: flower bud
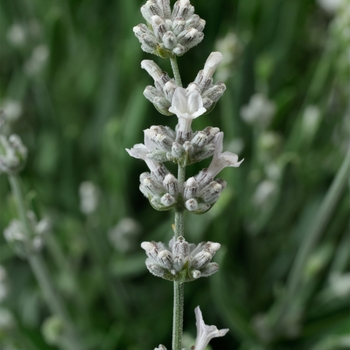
{"x": 196, "y": 274}
{"x": 168, "y": 200}
{"x": 191, "y": 205}
{"x": 209, "y": 269}
{"x": 201, "y": 259}
{"x": 155, "y": 269}
{"x": 196, "y": 22}
{"x": 190, "y": 189}
{"x": 182, "y": 9}
{"x": 164, "y": 6}
{"x": 13, "y": 154}
{"x": 210, "y": 193}
{"x": 149, "y": 10}
{"x": 177, "y": 151}
{"x": 179, "y": 50}
{"x": 169, "y": 89}
{"x": 178, "y": 26}
{"x": 169, "y": 40}
{"x": 181, "y": 247}
{"x": 215, "y": 92}
{"x": 150, "y": 187}
{"x": 151, "y": 249}
{"x": 165, "y": 259}
{"x": 160, "y": 27}
{"x": 171, "y": 184}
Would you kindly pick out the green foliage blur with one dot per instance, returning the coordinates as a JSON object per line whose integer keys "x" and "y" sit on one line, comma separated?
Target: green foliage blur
{"x": 71, "y": 77}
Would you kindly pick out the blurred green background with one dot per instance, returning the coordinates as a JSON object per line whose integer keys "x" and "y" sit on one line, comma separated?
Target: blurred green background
{"x": 72, "y": 85}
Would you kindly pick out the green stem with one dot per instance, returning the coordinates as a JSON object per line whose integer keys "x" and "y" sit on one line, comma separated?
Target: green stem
{"x": 43, "y": 276}
{"x": 178, "y": 306}
{"x": 322, "y": 218}
{"x": 175, "y": 68}
{"x": 178, "y": 313}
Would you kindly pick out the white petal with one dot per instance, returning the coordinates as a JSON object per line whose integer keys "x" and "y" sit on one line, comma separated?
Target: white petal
{"x": 211, "y": 64}
{"x": 179, "y": 102}
{"x": 195, "y": 102}
{"x": 139, "y": 151}
{"x": 152, "y": 69}
{"x": 205, "y": 333}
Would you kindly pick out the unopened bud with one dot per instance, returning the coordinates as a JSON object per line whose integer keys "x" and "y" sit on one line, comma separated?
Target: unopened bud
{"x": 150, "y": 9}
{"x": 171, "y": 184}
{"x": 13, "y": 154}
{"x": 201, "y": 259}
{"x": 196, "y": 22}
{"x": 165, "y": 259}
{"x": 164, "y": 6}
{"x": 210, "y": 193}
{"x": 181, "y": 247}
{"x": 209, "y": 269}
{"x": 191, "y": 204}
{"x": 190, "y": 189}
{"x": 167, "y": 200}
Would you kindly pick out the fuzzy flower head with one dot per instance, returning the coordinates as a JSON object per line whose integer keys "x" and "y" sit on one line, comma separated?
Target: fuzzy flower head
{"x": 13, "y": 154}
{"x": 170, "y": 32}
{"x": 187, "y": 105}
{"x": 205, "y": 333}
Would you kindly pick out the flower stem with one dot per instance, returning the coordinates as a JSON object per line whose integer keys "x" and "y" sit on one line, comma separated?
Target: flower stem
{"x": 178, "y": 313}
{"x": 175, "y": 68}
{"x": 178, "y": 306}
{"x": 42, "y": 275}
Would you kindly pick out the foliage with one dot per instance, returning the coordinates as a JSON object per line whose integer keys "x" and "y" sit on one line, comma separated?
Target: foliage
{"x": 283, "y": 220}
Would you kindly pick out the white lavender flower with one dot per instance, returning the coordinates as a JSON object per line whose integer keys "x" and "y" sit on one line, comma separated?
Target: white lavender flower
{"x": 169, "y": 33}
{"x": 16, "y": 35}
{"x": 264, "y": 192}
{"x": 123, "y": 235}
{"x": 37, "y": 60}
{"x": 7, "y": 320}
{"x": 13, "y": 154}
{"x": 3, "y": 283}
{"x": 231, "y": 48}
{"x": 160, "y": 347}
{"x": 181, "y": 261}
{"x": 89, "y": 197}
{"x": 220, "y": 161}
{"x": 12, "y": 109}
{"x": 210, "y": 92}
{"x": 331, "y": 6}
{"x": 205, "y": 333}
{"x": 187, "y": 105}
{"x": 311, "y": 121}
{"x": 259, "y": 111}
{"x": 27, "y": 242}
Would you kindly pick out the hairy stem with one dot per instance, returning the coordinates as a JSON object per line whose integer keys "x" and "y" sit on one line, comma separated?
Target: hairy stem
{"x": 43, "y": 276}
{"x": 178, "y": 306}
{"x": 176, "y": 72}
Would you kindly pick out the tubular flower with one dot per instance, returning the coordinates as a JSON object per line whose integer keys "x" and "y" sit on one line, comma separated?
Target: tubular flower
{"x": 205, "y": 333}
{"x": 220, "y": 161}
{"x": 187, "y": 105}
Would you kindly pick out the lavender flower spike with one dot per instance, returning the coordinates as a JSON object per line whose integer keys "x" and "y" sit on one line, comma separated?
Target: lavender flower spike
{"x": 187, "y": 105}
{"x": 205, "y": 333}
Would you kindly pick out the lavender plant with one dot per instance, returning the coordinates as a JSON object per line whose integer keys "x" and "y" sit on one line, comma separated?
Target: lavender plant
{"x": 170, "y": 33}
{"x": 27, "y": 234}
